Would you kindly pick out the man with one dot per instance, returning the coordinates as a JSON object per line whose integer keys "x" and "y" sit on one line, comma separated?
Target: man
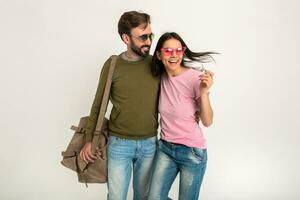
{"x": 133, "y": 119}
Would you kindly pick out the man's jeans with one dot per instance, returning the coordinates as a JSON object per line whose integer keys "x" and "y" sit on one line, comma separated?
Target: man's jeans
{"x": 124, "y": 156}
{"x": 172, "y": 158}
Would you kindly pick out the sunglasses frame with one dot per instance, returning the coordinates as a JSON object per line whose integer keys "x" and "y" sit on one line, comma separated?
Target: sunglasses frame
{"x": 144, "y": 37}
{"x": 178, "y": 51}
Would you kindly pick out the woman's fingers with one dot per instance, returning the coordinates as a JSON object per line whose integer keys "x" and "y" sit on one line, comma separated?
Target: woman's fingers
{"x": 210, "y": 73}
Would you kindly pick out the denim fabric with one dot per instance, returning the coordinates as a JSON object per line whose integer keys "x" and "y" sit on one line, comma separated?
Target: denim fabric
{"x": 125, "y": 156}
{"x": 171, "y": 159}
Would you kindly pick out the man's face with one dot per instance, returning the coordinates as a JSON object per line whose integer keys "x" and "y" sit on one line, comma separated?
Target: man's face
{"x": 141, "y": 40}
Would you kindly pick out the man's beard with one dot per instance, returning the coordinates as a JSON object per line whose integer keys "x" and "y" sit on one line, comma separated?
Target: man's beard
{"x": 138, "y": 50}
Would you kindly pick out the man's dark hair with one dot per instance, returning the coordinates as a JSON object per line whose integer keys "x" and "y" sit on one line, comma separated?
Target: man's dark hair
{"x": 130, "y": 20}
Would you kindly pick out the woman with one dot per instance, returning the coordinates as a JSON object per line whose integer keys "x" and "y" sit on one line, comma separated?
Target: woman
{"x": 184, "y": 90}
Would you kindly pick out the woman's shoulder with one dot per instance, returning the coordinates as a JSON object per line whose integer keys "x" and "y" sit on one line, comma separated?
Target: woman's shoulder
{"x": 195, "y": 71}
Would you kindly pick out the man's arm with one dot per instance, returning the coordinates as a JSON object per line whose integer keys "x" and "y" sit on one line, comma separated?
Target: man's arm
{"x": 94, "y": 113}
{"x": 86, "y": 152}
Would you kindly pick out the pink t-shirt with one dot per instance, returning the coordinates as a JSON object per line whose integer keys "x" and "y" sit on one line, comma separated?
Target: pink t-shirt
{"x": 177, "y": 107}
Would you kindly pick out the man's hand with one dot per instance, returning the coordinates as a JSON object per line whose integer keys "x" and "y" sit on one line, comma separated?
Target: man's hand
{"x": 86, "y": 153}
{"x": 197, "y": 116}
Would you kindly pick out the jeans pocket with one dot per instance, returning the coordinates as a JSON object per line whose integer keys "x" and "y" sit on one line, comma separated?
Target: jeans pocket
{"x": 200, "y": 154}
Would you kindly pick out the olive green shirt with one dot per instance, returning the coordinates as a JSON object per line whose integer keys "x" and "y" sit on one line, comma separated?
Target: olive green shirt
{"x": 134, "y": 95}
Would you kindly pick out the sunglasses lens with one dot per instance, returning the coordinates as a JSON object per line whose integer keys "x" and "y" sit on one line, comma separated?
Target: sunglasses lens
{"x": 169, "y": 51}
{"x": 145, "y": 37}
{"x": 151, "y": 36}
{"x": 179, "y": 51}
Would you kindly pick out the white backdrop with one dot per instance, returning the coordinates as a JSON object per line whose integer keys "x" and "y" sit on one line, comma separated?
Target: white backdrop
{"x": 51, "y": 53}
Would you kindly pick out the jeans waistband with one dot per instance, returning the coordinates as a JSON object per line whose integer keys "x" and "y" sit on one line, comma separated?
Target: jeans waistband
{"x": 149, "y": 138}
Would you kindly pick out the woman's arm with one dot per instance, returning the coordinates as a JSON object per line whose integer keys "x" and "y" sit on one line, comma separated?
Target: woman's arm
{"x": 206, "y": 112}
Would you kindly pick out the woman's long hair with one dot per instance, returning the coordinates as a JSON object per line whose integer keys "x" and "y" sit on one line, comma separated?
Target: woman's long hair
{"x": 189, "y": 56}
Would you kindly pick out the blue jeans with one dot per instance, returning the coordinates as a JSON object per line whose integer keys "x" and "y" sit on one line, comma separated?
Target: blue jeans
{"x": 172, "y": 159}
{"x": 124, "y": 156}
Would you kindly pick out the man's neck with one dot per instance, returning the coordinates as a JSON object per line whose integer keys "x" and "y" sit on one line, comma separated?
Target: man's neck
{"x": 131, "y": 56}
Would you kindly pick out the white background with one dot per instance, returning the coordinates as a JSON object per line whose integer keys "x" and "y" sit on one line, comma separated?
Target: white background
{"x": 51, "y": 54}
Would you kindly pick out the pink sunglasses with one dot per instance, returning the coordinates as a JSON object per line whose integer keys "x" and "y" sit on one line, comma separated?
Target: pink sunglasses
{"x": 169, "y": 51}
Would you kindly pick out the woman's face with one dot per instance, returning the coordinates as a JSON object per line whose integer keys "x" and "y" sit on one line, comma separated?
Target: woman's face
{"x": 171, "y": 55}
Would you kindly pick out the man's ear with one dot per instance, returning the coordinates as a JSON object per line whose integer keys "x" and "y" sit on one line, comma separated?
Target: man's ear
{"x": 158, "y": 55}
{"x": 125, "y": 38}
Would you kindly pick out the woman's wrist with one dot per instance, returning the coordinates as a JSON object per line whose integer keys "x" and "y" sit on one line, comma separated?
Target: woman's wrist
{"x": 204, "y": 94}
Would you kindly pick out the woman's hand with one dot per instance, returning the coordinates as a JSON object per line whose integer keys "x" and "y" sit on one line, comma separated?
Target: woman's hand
{"x": 206, "y": 81}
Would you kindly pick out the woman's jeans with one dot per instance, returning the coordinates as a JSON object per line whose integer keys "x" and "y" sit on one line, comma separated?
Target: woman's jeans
{"x": 171, "y": 159}
{"x": 124, "y": 156}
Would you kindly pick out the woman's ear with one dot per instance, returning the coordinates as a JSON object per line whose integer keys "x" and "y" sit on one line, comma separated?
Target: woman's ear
{"x": 126, "y": 38}
{"x": 158, "y": 55}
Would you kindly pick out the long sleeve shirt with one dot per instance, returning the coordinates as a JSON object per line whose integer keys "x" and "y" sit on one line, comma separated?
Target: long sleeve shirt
{"x": 134, "y": 96}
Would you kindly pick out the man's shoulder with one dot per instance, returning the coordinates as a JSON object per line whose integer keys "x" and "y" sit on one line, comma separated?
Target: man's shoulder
{"x": 108, "y": 60}
{"x": 147, "y": 61}
{"x": 150, "y": 56}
